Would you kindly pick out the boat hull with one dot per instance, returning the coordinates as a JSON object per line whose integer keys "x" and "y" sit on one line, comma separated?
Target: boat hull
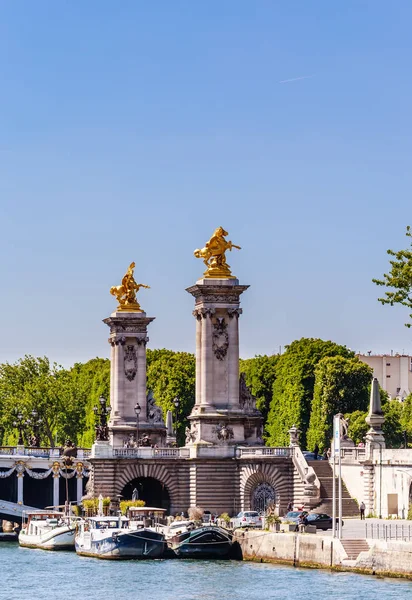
{"x": 128, "y": 545}
{"x": 52, "y": 540}
{"x": 204, "y": 542}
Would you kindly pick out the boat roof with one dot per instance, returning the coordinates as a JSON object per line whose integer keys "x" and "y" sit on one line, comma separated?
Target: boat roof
{"x": 105, "y": 518}
{"x": 146, "y": 508}
{"x": 43, "y": 513}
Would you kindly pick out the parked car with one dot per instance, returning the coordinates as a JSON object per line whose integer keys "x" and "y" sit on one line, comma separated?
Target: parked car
{"x": 293, "y": 515}
{"x": 311, "y": 456}
{"x": 246, "y": 518}
{"x": 321, "y": 521}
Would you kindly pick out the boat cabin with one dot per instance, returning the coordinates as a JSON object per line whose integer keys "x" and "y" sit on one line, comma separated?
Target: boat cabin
{"x": 145, "y": 516}
{"x": 93, "y": 523}
{"x": 33, "y": 522}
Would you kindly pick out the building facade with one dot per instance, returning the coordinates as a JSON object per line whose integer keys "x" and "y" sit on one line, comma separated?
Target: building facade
{"x": 393, "y": 371}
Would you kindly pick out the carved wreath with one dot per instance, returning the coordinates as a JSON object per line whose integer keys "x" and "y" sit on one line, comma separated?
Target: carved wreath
{"x": 130, "y": 362}
{"x": 220, "y": 338}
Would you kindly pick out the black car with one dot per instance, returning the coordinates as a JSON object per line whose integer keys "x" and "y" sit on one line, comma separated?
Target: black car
{"x": 321, "y": 521}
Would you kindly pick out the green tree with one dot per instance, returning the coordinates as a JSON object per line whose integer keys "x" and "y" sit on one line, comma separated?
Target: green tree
{"x": 358, "y": 427}
{"x": 341, "y": 386}
{"x": 260, "y": 374}
{"x": 293, "y": 387}
{"x": 33, "y": 383}
{"x": 171, "y": 375}
{"x": 399, "y": 278}
{"x": 406, "y": 418}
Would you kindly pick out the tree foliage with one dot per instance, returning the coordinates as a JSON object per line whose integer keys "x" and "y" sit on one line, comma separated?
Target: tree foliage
{"x": 260, "y": 374}
{"x": 341, "y": 386}
{"x": 34, "y": 383}
{"x": 171, "y": 375}
{"x": 293, "y": 387}
{"x": 399, "y": 278}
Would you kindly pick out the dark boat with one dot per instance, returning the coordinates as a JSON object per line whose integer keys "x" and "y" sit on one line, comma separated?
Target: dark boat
{"x": 116, "y": 538}
{"x": 203, "y": 542}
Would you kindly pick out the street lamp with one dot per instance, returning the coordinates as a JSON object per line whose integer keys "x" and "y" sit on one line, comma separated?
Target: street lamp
{"x": 19, "y": 423}
{"x": 35, "y": 421}
{"x": 176, "y": 403}
{"x": 137, "y": 409}
{"x": 101, "y": 414}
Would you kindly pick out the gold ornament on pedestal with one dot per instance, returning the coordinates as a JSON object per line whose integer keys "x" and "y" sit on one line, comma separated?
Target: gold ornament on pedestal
{"x": 213, "y": 255}
{"x": 126, "y": 293}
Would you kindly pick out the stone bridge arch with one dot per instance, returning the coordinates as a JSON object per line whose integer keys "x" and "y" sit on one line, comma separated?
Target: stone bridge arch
{"x": 156, "y": 472}
{"x": 253, "y": 475}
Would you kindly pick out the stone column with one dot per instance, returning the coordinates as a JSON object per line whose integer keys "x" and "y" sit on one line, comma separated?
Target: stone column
{"x": 141, "y": 375}
{"x": 56, "y": 491}
{"x": 233, "y": 357}
{"x": 20, "y": 499}
{"x": 198, "y": 315}
{"x": 206, "y": 371}
{"x": 128, "y": 339}
{"x": 79, "y": 489}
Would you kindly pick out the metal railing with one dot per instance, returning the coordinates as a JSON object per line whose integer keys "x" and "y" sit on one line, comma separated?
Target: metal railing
{"x": 388, "y": 531}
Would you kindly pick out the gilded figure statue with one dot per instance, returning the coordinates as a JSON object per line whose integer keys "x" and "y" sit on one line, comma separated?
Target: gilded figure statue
{"x": 126, "y": 293}
{"x": 214, "y": 257}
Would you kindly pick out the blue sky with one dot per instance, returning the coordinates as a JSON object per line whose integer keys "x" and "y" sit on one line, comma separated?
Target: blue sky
{"x": 130, "y": 130}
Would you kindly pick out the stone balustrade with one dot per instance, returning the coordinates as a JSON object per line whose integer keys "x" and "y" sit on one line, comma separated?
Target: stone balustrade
{"x": 43, "y": 452}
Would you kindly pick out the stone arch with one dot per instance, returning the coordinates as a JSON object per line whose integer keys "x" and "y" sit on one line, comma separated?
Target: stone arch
{"x": 148, "y": 471}
{"x": 254, "y": 475}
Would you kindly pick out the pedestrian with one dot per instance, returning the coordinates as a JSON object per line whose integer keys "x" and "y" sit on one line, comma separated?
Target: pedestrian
{"x": 289, "y": 507}
{"x": 362, "y": 510}
{"x": 316, "y": 451}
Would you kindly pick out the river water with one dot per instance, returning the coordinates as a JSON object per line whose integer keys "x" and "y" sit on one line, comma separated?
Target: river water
{"x": 41, "y": 575}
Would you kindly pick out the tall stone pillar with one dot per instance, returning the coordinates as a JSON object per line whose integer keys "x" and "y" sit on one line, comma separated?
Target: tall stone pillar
{"x": 56, "y": 490}
{"x": 128, "y": 339}
{"x": 219, "y": 416}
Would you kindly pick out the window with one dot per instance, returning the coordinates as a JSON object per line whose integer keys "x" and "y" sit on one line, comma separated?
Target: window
{"x": 388, "y": 376}
{"x": 388, "y": 364}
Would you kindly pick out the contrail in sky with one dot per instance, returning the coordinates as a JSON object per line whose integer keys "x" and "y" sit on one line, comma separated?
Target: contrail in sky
{"x": 296, "y": 79}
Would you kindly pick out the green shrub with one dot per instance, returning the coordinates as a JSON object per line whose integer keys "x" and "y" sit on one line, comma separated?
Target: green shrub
{"x": 225, "y": 517}
{"x": 124, "y": 505}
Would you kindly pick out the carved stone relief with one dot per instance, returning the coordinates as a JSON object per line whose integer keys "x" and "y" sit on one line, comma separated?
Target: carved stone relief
{"x": 220, "y": 338}
{"x": 154, "y": 412}
{"x": 130, "y": 362}
{"x": 223, "y": 432}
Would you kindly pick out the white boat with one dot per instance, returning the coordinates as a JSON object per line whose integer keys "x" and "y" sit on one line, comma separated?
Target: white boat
{"x": 117, "y": 538}
{"x": 47, "y": 530}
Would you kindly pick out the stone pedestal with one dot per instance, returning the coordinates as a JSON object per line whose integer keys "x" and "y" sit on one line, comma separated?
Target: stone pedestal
{"x": 221, "y": 415}
{"x": 128, "y": 339}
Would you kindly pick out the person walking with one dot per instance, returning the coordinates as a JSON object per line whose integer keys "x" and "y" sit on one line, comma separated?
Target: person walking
{"x": 316, "y": 451}
{"x": 362, "y": 510}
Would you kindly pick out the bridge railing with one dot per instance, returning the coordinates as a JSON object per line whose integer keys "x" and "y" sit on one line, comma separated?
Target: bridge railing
{"x": 143, "y": 452}
{"x": 388, "y": 531}
{"x": 265, "y": 451}
{"x": 43, "y": 452}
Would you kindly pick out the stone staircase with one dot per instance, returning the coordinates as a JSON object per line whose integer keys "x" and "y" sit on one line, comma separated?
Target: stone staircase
{"x": 324, "y": 473}
{"x": 354, "y": 547}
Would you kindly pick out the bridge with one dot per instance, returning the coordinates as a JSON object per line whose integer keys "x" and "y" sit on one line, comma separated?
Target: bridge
{"x": 11, "y": 511}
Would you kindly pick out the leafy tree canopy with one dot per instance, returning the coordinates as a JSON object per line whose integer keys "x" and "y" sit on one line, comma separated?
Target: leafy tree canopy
{"x": 399, "y": 279}
{"x": 293, "y": 387}
{"x": 342, "y": 385}
{"x": 260, "y": 374}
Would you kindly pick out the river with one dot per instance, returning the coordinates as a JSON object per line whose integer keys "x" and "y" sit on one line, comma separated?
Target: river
{"x": 40, "y": 575}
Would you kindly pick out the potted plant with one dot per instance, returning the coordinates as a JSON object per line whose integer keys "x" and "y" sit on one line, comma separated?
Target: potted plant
{"x": 225, "y": 519}
{"x": 124, "y": 505}
{"x": 273, "y": 522}
{"x": 90, "y": 506}
{"x": 106, "y": 505}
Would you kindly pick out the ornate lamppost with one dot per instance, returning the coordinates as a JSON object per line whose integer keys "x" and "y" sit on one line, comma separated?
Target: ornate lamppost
{"x": 101, "y": 415}
{"x": 35, "y": 421}
{"x": 137, "y": 410}
{"x": 20, "y": 423}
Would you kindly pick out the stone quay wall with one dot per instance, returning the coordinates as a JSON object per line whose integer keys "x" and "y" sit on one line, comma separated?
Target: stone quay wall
{"x": 385, "y": 558}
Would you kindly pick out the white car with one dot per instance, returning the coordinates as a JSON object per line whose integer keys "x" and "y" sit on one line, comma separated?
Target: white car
{"x": 246, "y": 518}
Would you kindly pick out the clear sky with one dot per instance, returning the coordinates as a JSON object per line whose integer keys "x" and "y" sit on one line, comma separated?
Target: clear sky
{"x": 130, "y": 130}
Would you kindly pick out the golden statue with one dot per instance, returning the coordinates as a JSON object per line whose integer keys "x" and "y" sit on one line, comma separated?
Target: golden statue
{"x": 213, "y": 255}
{"x": 126, "y": 293}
